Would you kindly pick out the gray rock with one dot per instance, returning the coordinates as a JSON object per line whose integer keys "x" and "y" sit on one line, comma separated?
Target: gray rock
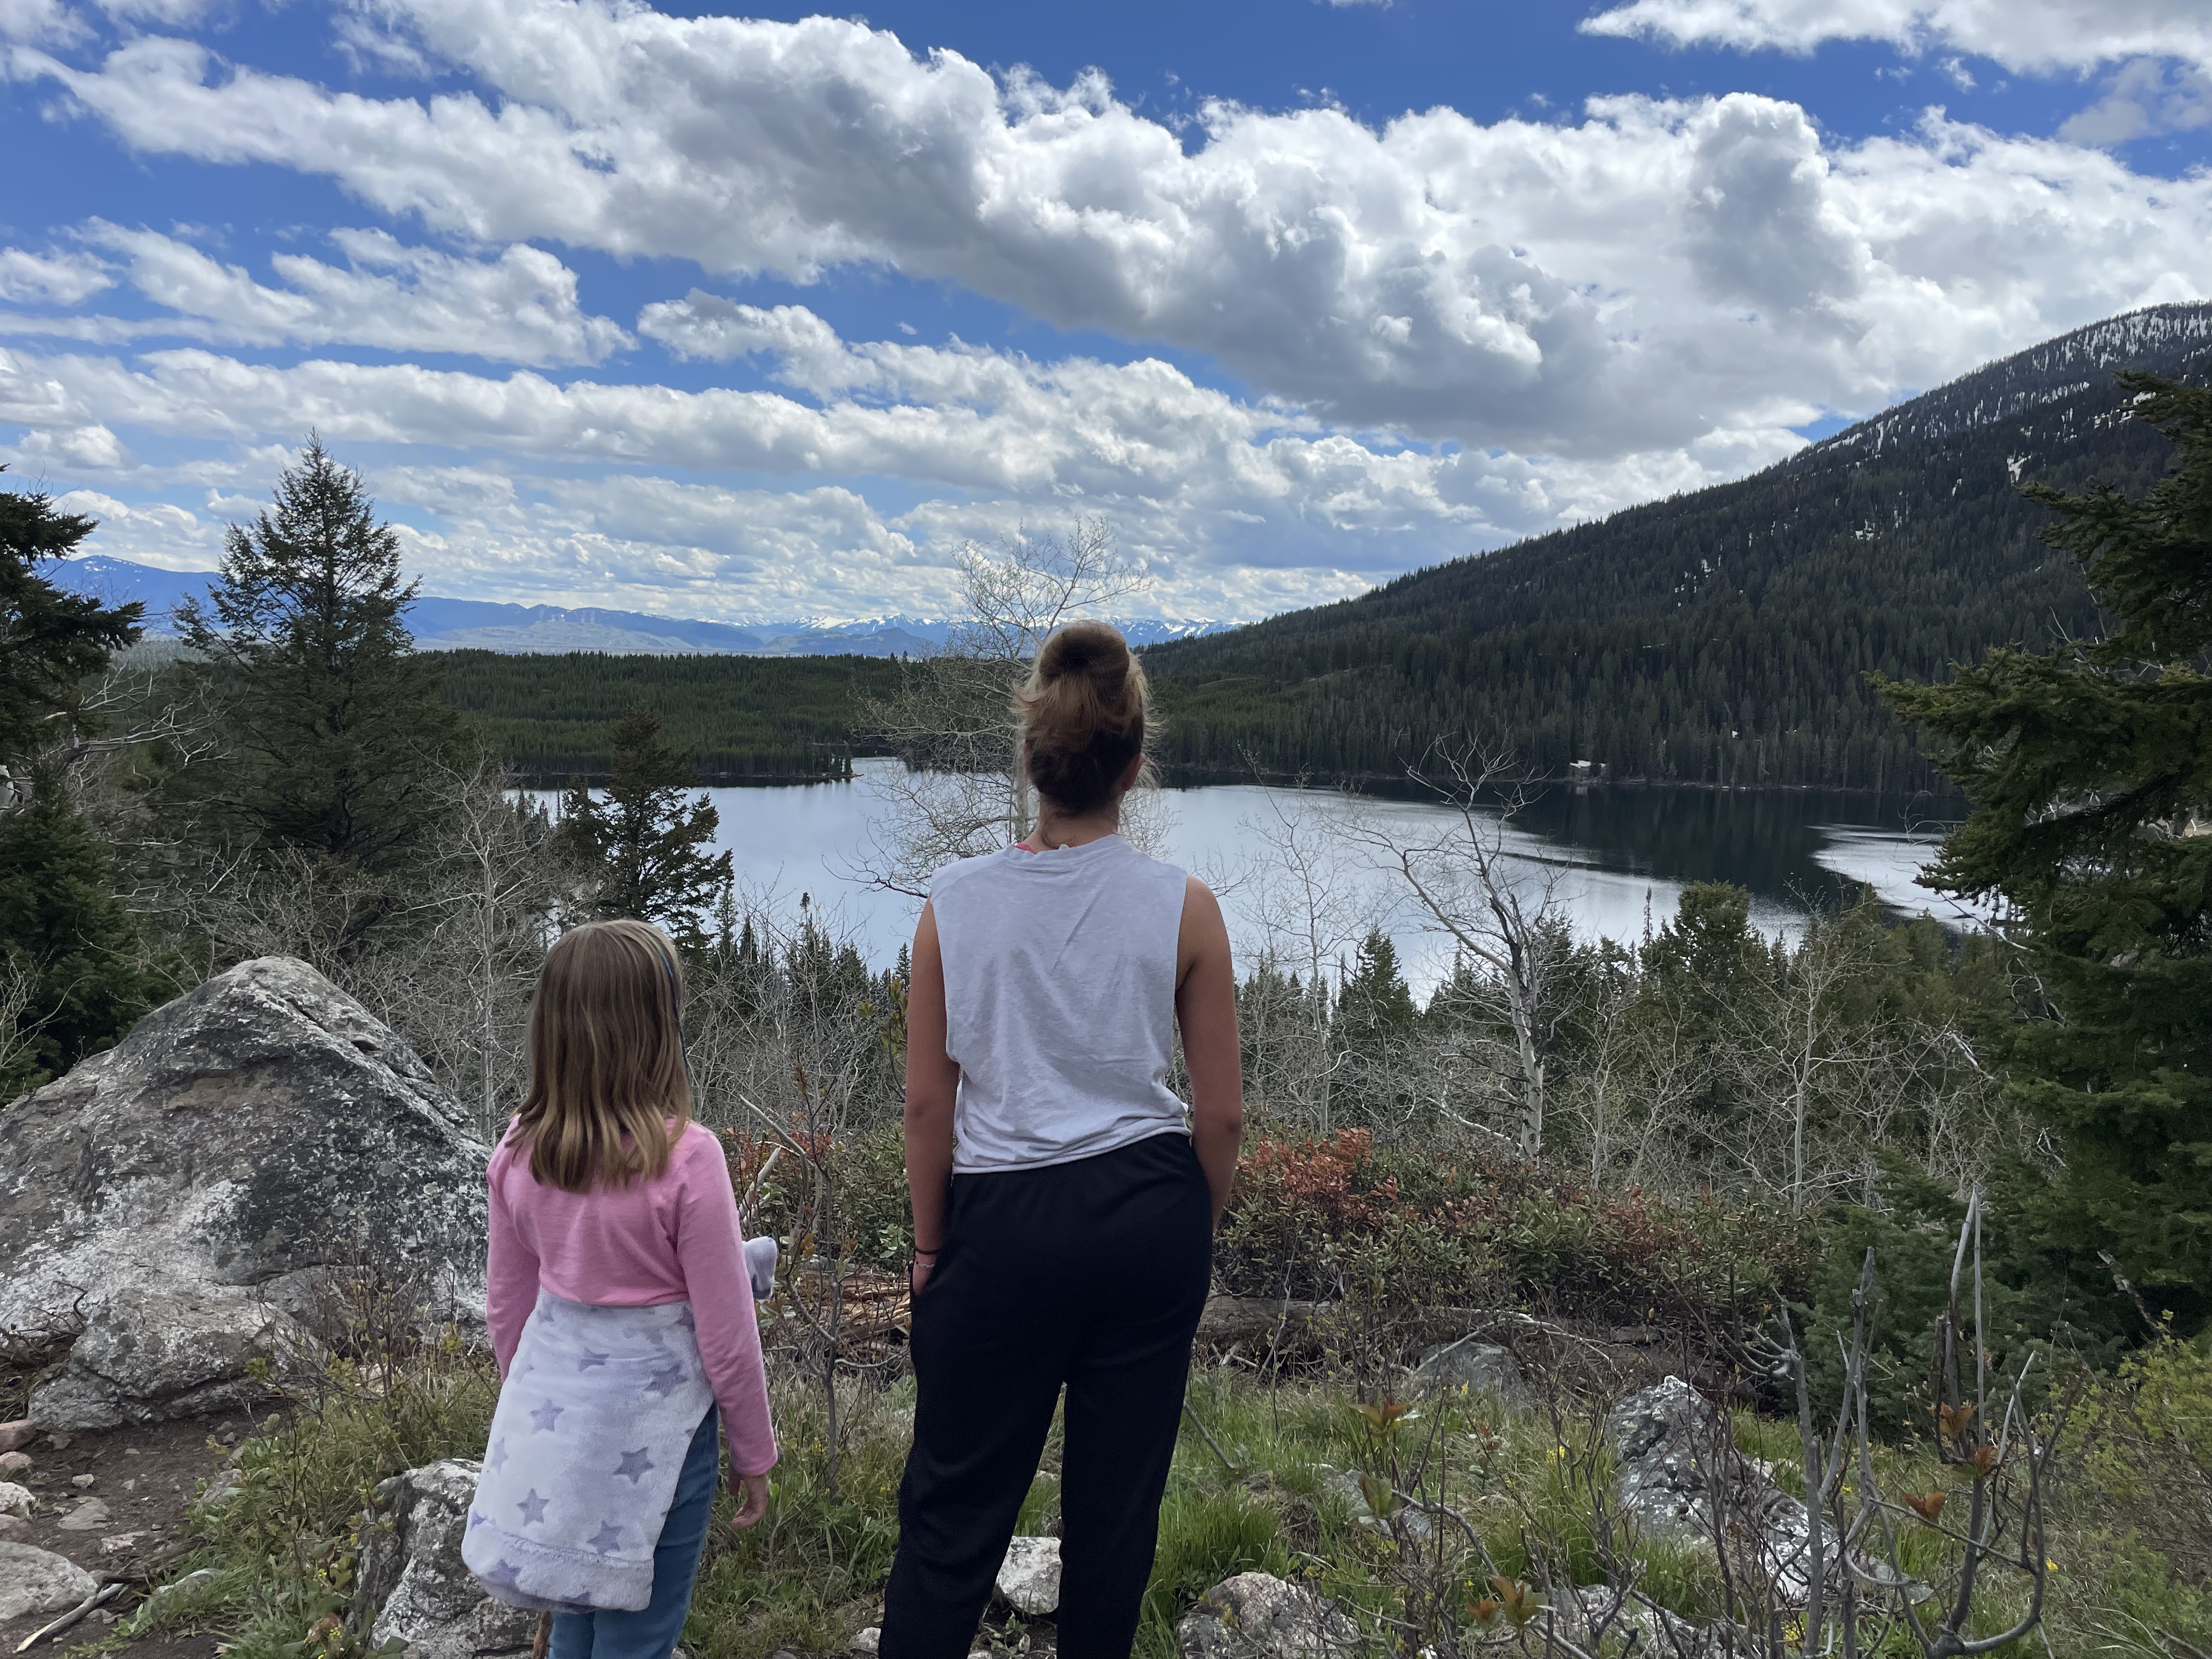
{"x": 175, "y": 1353}
{"x": 1478, "y": 1367}
{"x": 90, "y": 1516}
{"x": 13, "y": 1525}
{"x": 35, "y": 1581}
{"x": 1255, "y": 1615}
{"x": 1346, "y": 1484}
{"x": 868, "y": 1641}
{"x": 170, "y": 1208}
{"x": 14, "y": 1436}
{"x": 164, "y": 1602}
{"x": 410, "y": 1584}
{"x": 1028, "y": 1578}
{"x": 1601, "y": 1617}
{"x": 15, "y": 1499}
{"x": 1680, "y": 1475}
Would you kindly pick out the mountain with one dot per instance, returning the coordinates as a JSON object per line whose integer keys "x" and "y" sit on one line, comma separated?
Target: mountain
{"x": 1722, "y": 637}
{"x": 442, "y": 624}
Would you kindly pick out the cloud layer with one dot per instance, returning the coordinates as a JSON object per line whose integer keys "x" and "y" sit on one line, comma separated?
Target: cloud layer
{"x": 2020, "y": 35}
{"x": 520, "y": 307}
{"x": 1626, "y": 282}
{"x": 1431, "y": 336}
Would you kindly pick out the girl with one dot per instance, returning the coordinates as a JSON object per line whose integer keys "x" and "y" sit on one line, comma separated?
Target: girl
{"x": 1063, "y": 1205}
{"x": 620, "y": 1313}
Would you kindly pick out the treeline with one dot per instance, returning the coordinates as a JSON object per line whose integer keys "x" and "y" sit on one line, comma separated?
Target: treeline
{"x": 1723, "y": 638}
{"x": 742, "y": 719}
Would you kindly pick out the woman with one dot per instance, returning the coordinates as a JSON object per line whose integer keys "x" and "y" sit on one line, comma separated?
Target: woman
{"x": 1064, "y": 1204}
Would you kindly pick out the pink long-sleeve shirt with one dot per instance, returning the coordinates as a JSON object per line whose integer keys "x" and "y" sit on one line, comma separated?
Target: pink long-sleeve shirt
{"x": 673, "y": 1238}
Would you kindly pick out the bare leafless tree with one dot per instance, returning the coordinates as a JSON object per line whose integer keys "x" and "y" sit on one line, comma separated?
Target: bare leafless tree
{"x": 1502, "y": 915}
{"x": 962, "y": 790}
{"x": 1300, "y": 894}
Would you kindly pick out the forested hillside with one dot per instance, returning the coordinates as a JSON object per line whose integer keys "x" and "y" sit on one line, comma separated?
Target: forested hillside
{"x": 1722, "y": 637}
{"x": 743, "y": 720}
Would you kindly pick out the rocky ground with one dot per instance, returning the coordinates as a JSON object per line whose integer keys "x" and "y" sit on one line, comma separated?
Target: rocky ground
{"x": 178, "y": 1219}
{"x": 113, "y": 1502}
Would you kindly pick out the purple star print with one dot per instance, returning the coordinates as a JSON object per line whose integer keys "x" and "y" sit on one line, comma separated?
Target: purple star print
{"x": 606, "y": 1538}
{"x": 533, "y": 1508}
{"x": 546, "y": 1416}
{"x": 635, "y": 1465}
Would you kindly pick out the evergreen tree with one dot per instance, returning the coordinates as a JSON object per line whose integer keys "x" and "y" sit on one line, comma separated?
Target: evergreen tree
{"x": 2089, "y": 769}
{"x": 644, "y": 848}
{"x": 69, "y": 947}
{"x": 63, "y": 925}
{"x": 1373, "y": 1007}
{"x": 1372, "y": 1024}
{"x": 334, "y": 724}
{"x": 50, "y": 641}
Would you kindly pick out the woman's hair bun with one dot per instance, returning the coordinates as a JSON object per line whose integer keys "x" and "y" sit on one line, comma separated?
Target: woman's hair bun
{"x": 1083, "y": 713}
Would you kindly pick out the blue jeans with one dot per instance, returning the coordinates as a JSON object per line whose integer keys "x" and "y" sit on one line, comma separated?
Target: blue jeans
{"x": 651, "y": 1632}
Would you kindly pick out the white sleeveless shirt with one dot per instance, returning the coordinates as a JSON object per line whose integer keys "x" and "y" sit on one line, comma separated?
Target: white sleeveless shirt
{"x": 1060, "y": 982}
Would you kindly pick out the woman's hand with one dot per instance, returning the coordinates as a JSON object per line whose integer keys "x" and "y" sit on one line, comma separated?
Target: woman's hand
{"x": 919, "y": 1270}
{"x": 753, "y": 1500}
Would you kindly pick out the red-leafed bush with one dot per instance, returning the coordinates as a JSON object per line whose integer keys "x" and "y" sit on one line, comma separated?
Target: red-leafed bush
{"x": 1337, "y": 1216}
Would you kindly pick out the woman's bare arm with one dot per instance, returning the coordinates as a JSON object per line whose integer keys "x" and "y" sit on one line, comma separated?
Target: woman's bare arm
{"x": 1206, "y": 1008}
{"x": 932, "y": 1081}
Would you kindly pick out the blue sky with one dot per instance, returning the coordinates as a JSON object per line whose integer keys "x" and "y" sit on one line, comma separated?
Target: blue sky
{"x": 762, "y": 316}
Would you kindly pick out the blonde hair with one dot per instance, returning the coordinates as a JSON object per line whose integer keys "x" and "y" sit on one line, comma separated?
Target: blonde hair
{"x": 1083, "y": 714}
{"x": 606, "y": 1058}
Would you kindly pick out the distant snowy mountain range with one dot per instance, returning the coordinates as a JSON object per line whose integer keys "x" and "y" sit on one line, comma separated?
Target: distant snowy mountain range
{"x": 442, "y": 624}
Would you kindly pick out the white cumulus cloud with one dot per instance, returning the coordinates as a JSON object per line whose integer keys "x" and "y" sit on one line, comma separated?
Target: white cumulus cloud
{"x": 61, "y": 278}
{"x": 1242, "y": 509}
{"x": 1641, "y": 279}
{"x": 2021, "y": 34}
{"x": 520, "y": 307}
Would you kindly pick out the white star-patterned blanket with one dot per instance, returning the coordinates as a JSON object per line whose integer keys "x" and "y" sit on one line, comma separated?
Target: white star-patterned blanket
{"x": 593, "y": 1421}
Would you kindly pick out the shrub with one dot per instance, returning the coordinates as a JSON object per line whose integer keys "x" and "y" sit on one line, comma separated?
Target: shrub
{"x": 1338, "y": 1215}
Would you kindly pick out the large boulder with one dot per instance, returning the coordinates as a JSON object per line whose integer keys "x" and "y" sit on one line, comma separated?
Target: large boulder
{"x": 410, "y": 1584}
{"x": 169, "y": 1209}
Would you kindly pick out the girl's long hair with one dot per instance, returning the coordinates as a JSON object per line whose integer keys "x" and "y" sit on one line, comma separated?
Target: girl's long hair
{"x": 606, "y": 1058}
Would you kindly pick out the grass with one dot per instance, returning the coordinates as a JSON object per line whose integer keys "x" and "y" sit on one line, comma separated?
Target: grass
{"x": 811, "y": 1574}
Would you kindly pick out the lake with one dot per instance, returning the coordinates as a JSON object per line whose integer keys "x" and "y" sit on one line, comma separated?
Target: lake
{"x": 1615, "y": 855}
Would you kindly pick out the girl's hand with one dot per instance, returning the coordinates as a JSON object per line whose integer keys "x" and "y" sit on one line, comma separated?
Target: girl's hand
{"x": 752, "y": 1501}
{"x": 918, "y": 1272}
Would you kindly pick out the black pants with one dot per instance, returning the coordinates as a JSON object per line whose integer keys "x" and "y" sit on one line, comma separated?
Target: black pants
{"x": 1089, "y": 1275}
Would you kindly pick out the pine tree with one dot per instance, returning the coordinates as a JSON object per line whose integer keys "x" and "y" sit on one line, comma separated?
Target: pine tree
{"x": 50, "y": 641}
{"x": 1373, "y": 1007}
{"x": 2089, "y": 769}
{"x": 64, "y": 930}
{"x": 642, "y": 848}
{"x": 335, "y": 727}
{"x": 69, "y": 947}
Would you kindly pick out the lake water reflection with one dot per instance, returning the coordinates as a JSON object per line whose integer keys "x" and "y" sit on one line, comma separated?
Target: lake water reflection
{"x": 1618, "y": 854}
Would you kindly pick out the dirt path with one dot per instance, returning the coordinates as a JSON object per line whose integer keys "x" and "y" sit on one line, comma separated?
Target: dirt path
{"x": 114, "y": 1501}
